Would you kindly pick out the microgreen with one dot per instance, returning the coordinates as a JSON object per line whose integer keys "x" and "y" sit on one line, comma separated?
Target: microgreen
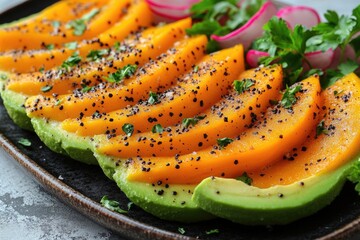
{"x": 186, "y": 122}
{"x": 128, "y": 129}
{"x": 223, "y": 142}
{"x": 289, "y": 99}
{"x": 245, "y": 178}
{"x": 122, "y": 73}
{"x": 242, "y": 86}
{"x": 157, "y": 129}
{"x": 25, "y": 142}
{"x": 112, "y": 205}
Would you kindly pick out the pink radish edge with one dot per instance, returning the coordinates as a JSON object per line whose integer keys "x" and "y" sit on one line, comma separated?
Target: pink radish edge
{"x": 319, "y": 59}
{"x": 253, "y": 56}
{"x": 224, "y": 40}
{"x": 169, "y": 17}
{"x": 171, "y": 6}
{"x": 287, "y": 13}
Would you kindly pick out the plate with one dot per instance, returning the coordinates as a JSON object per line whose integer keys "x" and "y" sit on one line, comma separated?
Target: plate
{"x": 83, "y": 186}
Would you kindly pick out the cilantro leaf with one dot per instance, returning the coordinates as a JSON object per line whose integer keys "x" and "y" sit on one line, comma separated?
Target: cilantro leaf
{"x": 111, "y": 204}
{"x": 128, "y": 129}
{"x": 186, "y": 122}
{"x": 25, "y": 142}
{"x": 120, "y": 74}
{"x": 244, "y": 85}
{"x": 72, "y": 61}
{"x": 157, "y": 129}
{"x": 86, "y": 88}
{"x": 50, "y": 46}
{"x": 223, "y": 142}
{"x": 321, "y": 129}
{"x": 95, "y": 55}
{"x": 46, "y": 88}
{"x": 245, "y": 179}
{"x": 79, "y": 25}
{"x": 288, "y": 99}
{"x": 153, "y": 98}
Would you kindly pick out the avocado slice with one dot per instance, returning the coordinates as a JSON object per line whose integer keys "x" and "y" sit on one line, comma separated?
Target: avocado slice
{"x": 169, "y": 202}
{"x": 238, "y": 202}
{"x": 63, "y": 142}
{"x": 14, "y": 104}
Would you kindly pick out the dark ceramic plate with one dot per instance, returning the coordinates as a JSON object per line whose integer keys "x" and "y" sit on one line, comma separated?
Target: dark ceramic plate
{"x": 83, "y": 186}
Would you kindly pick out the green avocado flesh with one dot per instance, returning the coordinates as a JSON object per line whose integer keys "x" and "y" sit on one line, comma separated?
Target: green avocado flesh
{"x": 278, "y": 205}
{"x": 14, "y": 104}
{"x": 171, "y": 203}
{"x": 60, "y": 141}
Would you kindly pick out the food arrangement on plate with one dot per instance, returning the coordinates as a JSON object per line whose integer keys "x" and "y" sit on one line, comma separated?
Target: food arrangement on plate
{"x": 230, "y": 109}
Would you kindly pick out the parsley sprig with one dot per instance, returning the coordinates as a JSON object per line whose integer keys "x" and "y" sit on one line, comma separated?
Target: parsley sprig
{"x": 79, "y": 25}
{"x": 122, "y": 73}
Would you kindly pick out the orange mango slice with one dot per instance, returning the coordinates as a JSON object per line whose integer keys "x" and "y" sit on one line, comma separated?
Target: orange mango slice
{"x": 155, "y": 76}
{"x": 139, "y": 50}
{"x": 334, "y": 147}
{"x": 195, "y": 92}
{"x": 38, "y": 39}
{"x": 227, "y": 118}
{"x": 278, "y": 132}
{"x": 137, "y": 17}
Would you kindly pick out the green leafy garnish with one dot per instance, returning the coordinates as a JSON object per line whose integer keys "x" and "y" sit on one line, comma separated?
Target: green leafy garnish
{"x": 95, "y": 55}
{"x": 242, "y": 86}
{"x": 120, "y": 48}
{"x": 85, "y": 88}
{"x": 122, "y": 73}
{"x": 129, "y": 205}
{"x": 3, "y": 76}
{"x": 72, "y": 61}
{"x": 353, "y": 175}
{"x": 321, "y": 129}
{"x": 212, "y": 231}
{"x": 157, "y": 129}
{"x": 221, "y": 17}
{"x": 181, "y": 230}
{"x": 25, "y": 142}
{"x": 79, "y": 25}
{"x": 186, "y": 122}
{"x": 128, "y": 129}
{"x": 289, "y": 99}
{"x": 71, "y": 45}
{"x": 46, "y": 88}
{"x": 223, "y": 142}
{"x": 153, "y": 98}
{"x": 245, "y": 179}
{"x": 111, "y": 204}
{"x": 50, "y": 46}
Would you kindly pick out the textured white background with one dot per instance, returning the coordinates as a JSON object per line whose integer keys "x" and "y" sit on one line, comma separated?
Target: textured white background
{"x": 29, "y": 213}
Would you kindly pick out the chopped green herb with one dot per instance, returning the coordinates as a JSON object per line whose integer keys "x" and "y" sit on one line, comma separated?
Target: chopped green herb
{"x": 128, "y": 129}
{"x": 79, "y": 25}
{"x": 196, "y": 69}
{"x": 46, "y": 88}
{"x": 56, "y": 24}
{"x": 120, "y": 48}
{"x": 122, "y": 73}
{"x": 58, "y": 102}
{"x": 157, "y": 129}
{"x": 3, "y": 76}
{"x": 41, "y": 69}
{"x": 153, "y": 98}
{"x": 95, "y": 55}
{"x": 96, "y": 114}
{"x": 289, "y": 99}
{"x": 181, "y": 230}
{"x": 71, "y": 45}
{"x": 321, "y": 129}
{"x": 50, "y": 46}
{"x": 111, "y": 204}
{"x": 244, "y": 85}
{"x": 72, "y": 61}
{"x": 223, "y": 142}
{"x": 336, "y": 93}
{"x": 129, "y": 205}
{"x": 186, "y": 122}
{"x": 212, "y": 231}
{"x": 25, "y": 142}
{"x": 353, "y": 175}
{"x": 245, "y": 178}
{"x": 86, "y": 88}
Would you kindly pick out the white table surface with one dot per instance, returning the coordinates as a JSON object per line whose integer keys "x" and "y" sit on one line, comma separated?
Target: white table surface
{"x": 28, "y": 212}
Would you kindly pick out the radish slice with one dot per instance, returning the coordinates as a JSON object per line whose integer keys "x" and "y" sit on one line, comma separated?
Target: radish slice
{"x": 171, "y": 10}
{"x": 253, "y": 57}
{"x": 250, "y": 31}
{"x": 319, "y": 59}
{"x": 303, "y": 15}
{"x": 349, "y": 54}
